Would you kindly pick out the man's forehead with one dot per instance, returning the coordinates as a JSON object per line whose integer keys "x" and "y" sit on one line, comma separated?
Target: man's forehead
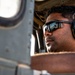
{"x": 55, "y": 16}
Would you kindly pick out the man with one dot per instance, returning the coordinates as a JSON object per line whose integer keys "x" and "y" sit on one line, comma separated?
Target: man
{"x": 59, "y": 29}
{"x": 59, "y": 36}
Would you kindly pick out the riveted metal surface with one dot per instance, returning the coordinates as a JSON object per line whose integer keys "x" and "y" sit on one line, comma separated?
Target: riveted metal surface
{"x": 15, "y": 41}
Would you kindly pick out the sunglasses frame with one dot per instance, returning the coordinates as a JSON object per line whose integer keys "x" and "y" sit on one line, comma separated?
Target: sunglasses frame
{"x": 47, "y": 26}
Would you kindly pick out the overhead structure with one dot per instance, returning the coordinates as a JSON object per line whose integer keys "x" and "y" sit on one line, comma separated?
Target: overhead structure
{"x": 41, "y": 7}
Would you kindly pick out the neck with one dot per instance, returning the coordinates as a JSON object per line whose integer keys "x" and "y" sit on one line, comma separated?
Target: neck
{"x": 70, "y": 46}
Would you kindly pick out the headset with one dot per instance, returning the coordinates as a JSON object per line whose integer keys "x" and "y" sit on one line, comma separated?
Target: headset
{"x": 73, "y": 26}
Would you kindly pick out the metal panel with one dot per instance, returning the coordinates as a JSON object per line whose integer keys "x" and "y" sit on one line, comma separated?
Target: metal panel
{"x": 24, "y": 71}
{"x": 7, "y": 71}
{"x": 15, "y": 41}
{"x": 7, "y": 67}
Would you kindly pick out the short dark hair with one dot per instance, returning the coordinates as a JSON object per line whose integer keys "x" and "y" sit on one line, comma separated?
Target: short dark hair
{"x": 66, "y": 11}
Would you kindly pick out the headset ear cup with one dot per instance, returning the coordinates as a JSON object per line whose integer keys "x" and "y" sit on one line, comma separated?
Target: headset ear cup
{"x": 73, "y": 28}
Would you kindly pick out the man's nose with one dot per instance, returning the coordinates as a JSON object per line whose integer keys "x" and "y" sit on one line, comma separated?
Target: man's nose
{"x": 47, "y": 33}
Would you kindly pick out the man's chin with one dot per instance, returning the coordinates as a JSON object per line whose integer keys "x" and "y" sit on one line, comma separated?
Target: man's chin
{"x": 51, "y": 48}
{"x": 48, "y": 48}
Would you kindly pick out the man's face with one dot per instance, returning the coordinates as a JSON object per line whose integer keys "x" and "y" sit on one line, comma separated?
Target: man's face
{"x": 60, "y": 38}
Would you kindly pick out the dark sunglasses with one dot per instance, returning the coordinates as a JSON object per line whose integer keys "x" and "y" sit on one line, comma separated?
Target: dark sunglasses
{"x": 54, "y": 25}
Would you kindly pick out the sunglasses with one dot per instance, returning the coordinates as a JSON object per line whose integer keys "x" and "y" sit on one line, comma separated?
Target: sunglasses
{"x": 54, "y": 25}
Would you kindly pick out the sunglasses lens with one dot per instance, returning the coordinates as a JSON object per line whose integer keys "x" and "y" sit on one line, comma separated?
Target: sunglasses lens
{"x": 45, "y": 28}
{"x": 52, "y": 26}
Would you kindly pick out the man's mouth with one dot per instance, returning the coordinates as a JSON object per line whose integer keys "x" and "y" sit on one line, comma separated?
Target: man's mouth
{"x": 49, "y": 41}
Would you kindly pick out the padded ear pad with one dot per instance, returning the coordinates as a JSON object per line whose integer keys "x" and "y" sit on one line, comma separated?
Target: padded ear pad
{"x": 73, "y": 28}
